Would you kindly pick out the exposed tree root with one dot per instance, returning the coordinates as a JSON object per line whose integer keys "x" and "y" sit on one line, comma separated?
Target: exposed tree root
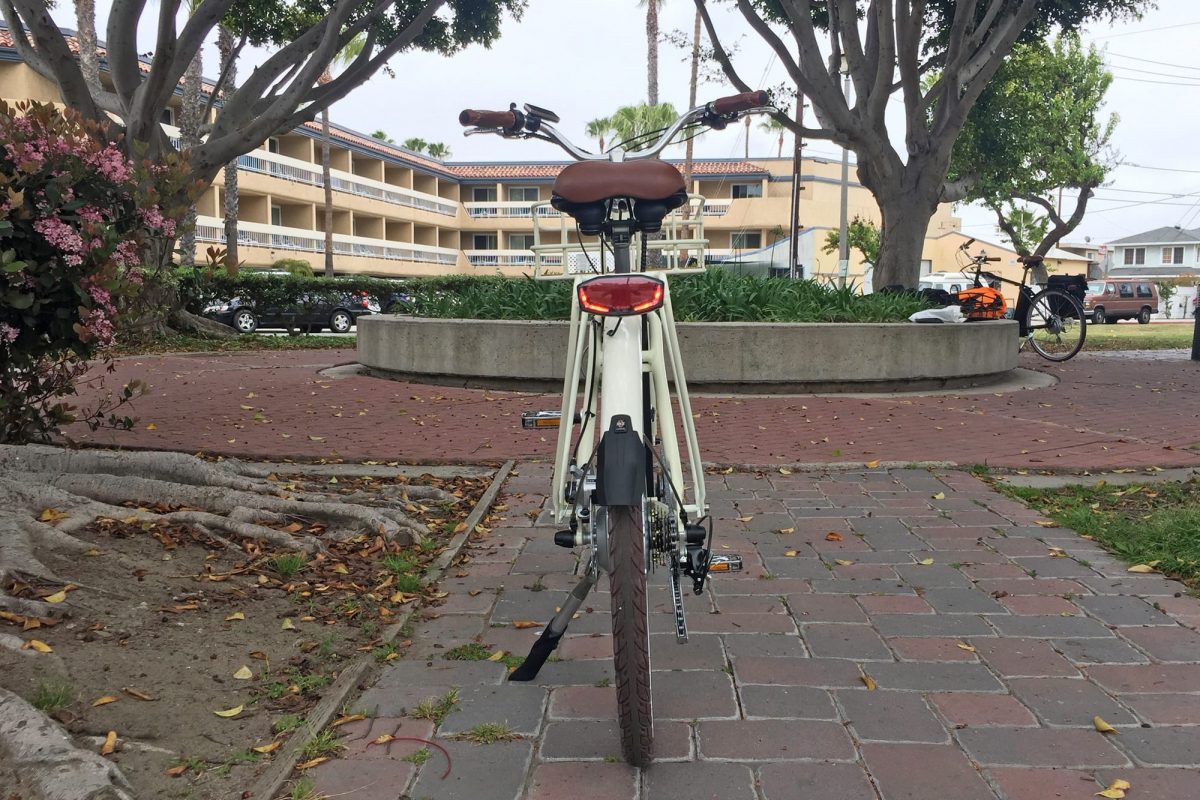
{"x": 42, "y": 761}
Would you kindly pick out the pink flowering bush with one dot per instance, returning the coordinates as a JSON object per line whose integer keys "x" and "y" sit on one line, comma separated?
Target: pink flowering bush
{"x": 75, "y": 217}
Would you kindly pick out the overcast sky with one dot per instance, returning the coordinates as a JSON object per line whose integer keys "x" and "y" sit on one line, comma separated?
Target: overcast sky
{"x": 585, "y": 58}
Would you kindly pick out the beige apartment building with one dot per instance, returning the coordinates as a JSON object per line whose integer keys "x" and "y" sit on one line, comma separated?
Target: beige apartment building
{"x": 398, "y": 213}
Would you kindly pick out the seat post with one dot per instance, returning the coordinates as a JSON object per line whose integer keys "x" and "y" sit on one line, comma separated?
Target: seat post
{"x": 621, "y": 234}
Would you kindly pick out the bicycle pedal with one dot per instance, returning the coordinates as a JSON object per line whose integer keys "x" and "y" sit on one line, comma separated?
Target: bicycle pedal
{"x": 720, "y": 562}
{"x": 543, "y": 419}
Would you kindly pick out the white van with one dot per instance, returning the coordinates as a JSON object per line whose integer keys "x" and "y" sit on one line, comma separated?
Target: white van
{"x": 952, "y": 282}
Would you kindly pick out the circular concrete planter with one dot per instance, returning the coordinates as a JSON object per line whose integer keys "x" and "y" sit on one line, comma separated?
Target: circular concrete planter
{"x": 718, "y": 356}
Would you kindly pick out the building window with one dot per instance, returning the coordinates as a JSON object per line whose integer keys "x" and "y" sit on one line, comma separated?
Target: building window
{"x": 276, "y": 215}
{"x": 167, "y": 117}
{"x": 520, "y": 241}
{"x": 483, "y": 194}
{"x": 743, "y": 190}
{"x": 272, "y": 145}
{"x": 523, "y": 194}
{"x": 747, "y": 240}
{"x": 484, "y": 241}
{"x": 926, "y": 266}
{"x": 1172, "y": 255}
{"x": 1135, "y": 255}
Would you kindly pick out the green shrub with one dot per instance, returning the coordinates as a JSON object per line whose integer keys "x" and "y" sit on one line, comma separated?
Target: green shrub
{"x": 294, "y": 266}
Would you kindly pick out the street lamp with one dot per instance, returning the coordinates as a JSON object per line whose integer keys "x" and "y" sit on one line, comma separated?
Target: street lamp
{"x": 843, "y": 236}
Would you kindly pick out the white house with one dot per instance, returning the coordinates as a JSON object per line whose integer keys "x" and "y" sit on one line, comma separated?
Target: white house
{"x": 1163, "y": 254}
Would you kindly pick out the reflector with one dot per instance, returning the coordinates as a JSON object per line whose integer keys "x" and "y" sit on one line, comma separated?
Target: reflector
{"x": 621, "y": 295}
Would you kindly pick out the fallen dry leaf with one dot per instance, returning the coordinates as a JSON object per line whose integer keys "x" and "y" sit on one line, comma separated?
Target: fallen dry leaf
{"x": 784, "y": 471}
{"x": 268, "y": 748}
{"x": 57, "y": 597}
{"x": 841, "y": 562}
{"x": 967, "y": 647}
{"x": 384, "y": 739}
{"x": 38, "y": 645}
{"x": 1112, "y": 794}
{"x": 129, "y": 690}
{"x": 52, "y": 515}
{"x": 522, "y": 624}
{"x": 745, "y": 519}
{"x": 872, "y": 464}
{"x": 176, "y": 770}
{"x": 295, "y": 527}
{"x": 151, "y": 427}
{"x": 786, "y": 530}
{"x": 1046, "y": 523}
{"x": 496, "y": 656}
{"x": 347, "y": 720}
{"x": 312, "y": 763}
{"x": 833, "y": 536}
{"x": 868, "y": 681}
{"x": 790, "y": 553}
{"x": 103, "y": 701}
{"x": 940, "y": 496}
{"x": 288, "y": 625}
{"x": 1141, "y": 568}
{"x": 230, "y": 712}
{"x": 110, "y": 744}
{"x": 1103, "y": 726}
{"x": 243, "y": 674}
{"x": 925, "y": 562}
{"x": 235, "y": 616}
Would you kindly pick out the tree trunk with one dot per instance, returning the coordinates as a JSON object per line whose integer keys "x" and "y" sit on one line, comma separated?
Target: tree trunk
{"x": 652, "y": 52}
{"x": 693, "y": 81}
{"x": 89, "y": 61}
{"x": 905, "y": 219}
{"x": 747, "y": 138}
{"x": 327, "y": 180}
{"x": 190, "y": 119}
{"x": 225, "y": 44}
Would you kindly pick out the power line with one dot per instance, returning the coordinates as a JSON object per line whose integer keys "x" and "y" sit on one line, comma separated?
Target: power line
{"x": 1151, "y": 61}
{"x": 1161, "y": 169}
{"x": 1146, "y": 30}
{"x": 1154, "y": 72}
{"x": 1147, "y": 80}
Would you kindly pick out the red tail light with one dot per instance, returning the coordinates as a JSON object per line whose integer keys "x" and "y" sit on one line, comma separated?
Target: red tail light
{"x": 621, "y": 295}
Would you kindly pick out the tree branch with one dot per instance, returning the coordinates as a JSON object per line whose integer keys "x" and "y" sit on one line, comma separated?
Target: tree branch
{"x": 53, "y": 50}
{"x": 123, "y": 68}
{"x": 223, "y": 77}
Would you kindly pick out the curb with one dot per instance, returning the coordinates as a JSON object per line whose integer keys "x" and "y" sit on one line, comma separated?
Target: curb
{"x": 280, "y": 771}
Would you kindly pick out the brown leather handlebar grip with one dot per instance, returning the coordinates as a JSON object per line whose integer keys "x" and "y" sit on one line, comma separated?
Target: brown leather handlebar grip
{"x": 992, "y": 258}
{"x": 488, "y": 119}
{"x": 740, "y": 102}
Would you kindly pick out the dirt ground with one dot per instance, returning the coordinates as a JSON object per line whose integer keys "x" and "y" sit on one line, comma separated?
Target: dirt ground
{"x": 167, "y": 626}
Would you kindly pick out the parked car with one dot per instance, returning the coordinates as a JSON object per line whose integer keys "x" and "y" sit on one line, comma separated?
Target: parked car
{"x": 1110, "y": 300}
{"x": 310, "y": 315}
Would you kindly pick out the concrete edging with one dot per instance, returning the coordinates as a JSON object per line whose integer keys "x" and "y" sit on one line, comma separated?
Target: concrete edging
{"x": 719, "y": 356}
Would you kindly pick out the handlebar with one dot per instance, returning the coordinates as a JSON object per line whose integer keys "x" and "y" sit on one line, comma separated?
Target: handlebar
{"x": 739, "y": 102}
{"x": 534, "y": 123}
{"x": 508, "y": 120}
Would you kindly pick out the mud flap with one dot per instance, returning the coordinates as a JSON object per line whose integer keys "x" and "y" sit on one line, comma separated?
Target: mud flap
{"x": 620, "y": 465}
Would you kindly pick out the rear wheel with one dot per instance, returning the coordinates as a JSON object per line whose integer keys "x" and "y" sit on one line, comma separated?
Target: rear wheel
{"x": 1098, "y": 316}
{"x": 244, "y": 321}
{"x": 631, "y": 632}
{"x": 1144, "y": 316}
{"x": 1056, "y": 324}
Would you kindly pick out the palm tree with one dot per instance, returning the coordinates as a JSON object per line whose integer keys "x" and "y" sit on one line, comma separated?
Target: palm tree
{"x": 350, "y": 52}
{"x": 630, "y": 122}
{"x": 598, "y": 129}
{"x": 382, "y": 136}
{"x": 772, "y": 125}
{"x": 693, "y": 82}
{"x": 227, "y": 48}
{"x": 651, "y": 49}
{"x": 438, "y": 150}
{"x": 191, "y": 117}
{"x": 416, "y": 144}
{"x": 747, "y": 121}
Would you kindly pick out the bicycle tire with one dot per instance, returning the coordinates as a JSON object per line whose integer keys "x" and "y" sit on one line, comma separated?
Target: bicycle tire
{"x": 631, "y": 633}
{"x": 1055, "y": 336}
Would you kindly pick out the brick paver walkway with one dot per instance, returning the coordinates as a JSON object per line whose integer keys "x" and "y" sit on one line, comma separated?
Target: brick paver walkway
{"x": 991, "y": 648}
{"x": 1107, "y": 411}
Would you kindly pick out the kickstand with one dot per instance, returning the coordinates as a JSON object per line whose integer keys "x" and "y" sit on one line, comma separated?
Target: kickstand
{"x": 546, "y": 643}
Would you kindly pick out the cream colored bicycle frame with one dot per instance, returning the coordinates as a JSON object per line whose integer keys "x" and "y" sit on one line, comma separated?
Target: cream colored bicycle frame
{"x": 617, "y": 358}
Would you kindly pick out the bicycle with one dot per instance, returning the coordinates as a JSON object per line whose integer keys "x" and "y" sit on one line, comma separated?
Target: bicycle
{"x": 618, "y": 482}
{"x": 1051, "y": 321}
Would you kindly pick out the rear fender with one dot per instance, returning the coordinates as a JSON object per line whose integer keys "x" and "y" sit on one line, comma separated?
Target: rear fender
{"x": 620, "y": 465}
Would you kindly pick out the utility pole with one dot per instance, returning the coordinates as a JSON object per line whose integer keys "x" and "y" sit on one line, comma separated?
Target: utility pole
{"x": 1196, "y": 329}
{"x": 797, "y": 157}
{"x": 843, "y": 236}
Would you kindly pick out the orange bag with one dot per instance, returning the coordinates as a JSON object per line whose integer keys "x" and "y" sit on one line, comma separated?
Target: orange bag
{"x": 982, "y": 302}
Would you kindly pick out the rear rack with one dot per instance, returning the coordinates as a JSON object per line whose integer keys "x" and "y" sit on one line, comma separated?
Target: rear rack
{"x": 559, "y": 255}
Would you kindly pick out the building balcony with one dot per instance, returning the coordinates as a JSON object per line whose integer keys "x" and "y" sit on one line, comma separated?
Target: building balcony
{"x": 508, "y": 210}
{"x": 287, "y": 240}
{"x": 500, "y": 258}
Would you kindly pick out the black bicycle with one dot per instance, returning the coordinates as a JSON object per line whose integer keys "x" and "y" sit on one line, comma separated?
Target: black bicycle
{"x": 1051, "y": 321}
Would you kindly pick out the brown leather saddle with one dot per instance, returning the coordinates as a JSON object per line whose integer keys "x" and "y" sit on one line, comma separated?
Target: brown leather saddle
{"x": 584, "y": 191}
